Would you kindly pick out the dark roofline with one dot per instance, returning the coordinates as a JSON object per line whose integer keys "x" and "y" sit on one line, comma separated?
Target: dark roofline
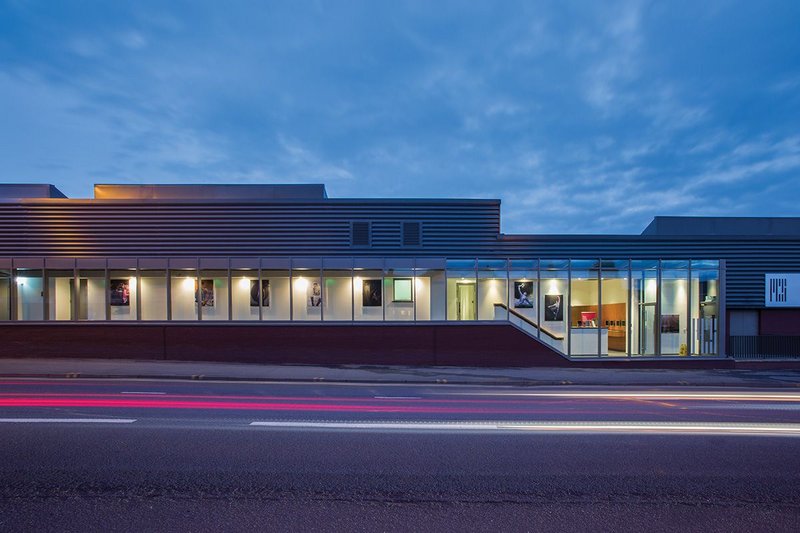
{"x": 672, "y": 226}
{"x": 19, "y": 191}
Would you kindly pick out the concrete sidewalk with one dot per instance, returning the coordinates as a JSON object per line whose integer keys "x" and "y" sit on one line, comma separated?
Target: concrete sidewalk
{"x": 122, "y": 369}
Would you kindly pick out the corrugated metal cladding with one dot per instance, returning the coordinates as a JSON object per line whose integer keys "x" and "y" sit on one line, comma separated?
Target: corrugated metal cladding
{"x": 447, "y": 228}
{"x": 196, "y": 228}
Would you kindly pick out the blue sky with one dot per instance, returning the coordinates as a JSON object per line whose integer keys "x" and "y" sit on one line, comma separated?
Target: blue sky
{"x": 582, "y": 117}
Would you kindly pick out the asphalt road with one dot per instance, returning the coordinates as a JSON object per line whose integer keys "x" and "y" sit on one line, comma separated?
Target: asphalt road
{"x": 81, "y": 455}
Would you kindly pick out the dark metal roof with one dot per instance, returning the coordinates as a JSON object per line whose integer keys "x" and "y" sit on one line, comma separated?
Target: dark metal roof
{"x": 16, "y": 191}
{"x": 730, "y": 226}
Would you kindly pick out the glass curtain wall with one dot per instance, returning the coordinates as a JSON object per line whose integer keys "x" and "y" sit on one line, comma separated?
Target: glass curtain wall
{"x": 704, "y": 326}
{"x": 492, "y": 290}
{"x": 614, "y": 307}
{"x": 214, "y": 294}
{"x": 584, "y": 309}
{"x": 306, "y": 294}
{"x": 247, "y": 296}
{"x": 523, "y": 293}
{"x": 30, "y": 293}
{"x": 399, "y": 294}
{"x": 368, "y": 294}
{"x": 277, "y": 294}
{"x": 643, "y": 307}
{"x": 430, "y": 294}
{"x": 674, "y": 308}
{"x": 122, "y": 294}
{"x": 153, "y": 297}
{"x": 644, "y": 289}
{"x": 60, "y": 294}
{"x": 5, "y": 294}
{"x": 338, "y": 295}
{"x": 92, "y": 295}
{"x": 183, "y": 294}
{"x": 462, "y": 293}
{"x": 553, "y": 298}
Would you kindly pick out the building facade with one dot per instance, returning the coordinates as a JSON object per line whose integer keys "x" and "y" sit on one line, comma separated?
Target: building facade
{"x": 287, "y": 255}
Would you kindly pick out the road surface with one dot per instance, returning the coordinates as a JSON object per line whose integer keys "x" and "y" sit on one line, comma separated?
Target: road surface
{"x": 94, "y": 455}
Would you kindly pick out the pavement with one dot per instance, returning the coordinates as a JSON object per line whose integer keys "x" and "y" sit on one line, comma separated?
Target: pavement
{"x": 181, "y": 370}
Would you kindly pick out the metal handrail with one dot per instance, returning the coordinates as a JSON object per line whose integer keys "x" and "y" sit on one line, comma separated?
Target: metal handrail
{"x": 553, "y": 335}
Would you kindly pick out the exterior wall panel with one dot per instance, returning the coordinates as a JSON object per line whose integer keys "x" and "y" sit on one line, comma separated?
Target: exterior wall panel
{"x": 295, "y": 228}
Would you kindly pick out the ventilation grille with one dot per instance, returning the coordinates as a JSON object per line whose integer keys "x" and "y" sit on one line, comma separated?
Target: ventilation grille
{"x": 360, "y": 234}
{"x": 412, "y": 234}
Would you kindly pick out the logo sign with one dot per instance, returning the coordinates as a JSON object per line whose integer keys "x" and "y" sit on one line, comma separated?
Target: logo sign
{"x": 782, "y": 290}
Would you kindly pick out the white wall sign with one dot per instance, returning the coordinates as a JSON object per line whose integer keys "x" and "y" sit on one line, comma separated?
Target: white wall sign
{"x": 782, "y": 290}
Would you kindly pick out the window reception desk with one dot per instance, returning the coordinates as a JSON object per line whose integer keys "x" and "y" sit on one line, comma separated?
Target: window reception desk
{"x": 583, "y": 341}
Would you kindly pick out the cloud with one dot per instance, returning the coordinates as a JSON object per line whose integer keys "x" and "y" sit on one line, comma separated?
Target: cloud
{"x": 614, "y": 54}
{"x": 302, "y": 163}
{"x": 132, "y": 40}
{"x": 582, "y": 119}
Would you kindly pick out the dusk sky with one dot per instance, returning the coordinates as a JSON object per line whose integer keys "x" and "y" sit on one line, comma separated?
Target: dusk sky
{"x": 582, "y": 117}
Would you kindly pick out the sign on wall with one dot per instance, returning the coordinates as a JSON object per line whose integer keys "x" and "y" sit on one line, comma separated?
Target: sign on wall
{"x": 782, "y": 290}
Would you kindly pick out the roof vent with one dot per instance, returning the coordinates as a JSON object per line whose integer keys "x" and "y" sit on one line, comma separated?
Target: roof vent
{"x": 412, "y": 234}
{"x": 360, "y": 234}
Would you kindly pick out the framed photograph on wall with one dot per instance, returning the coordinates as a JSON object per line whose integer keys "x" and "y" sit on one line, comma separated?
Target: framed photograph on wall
{"x": 255, "y": 293}
{"x": 314, "y": 294}
{"x": 522, "y": 294}
{"x": 402, "y": 289}
{"x": 371, "y": 293}
{"x": 206, "y": 292}
{"x": 670, "y": 323}
{"x": 553, "y": 307}
{"x": 120, "y": 292}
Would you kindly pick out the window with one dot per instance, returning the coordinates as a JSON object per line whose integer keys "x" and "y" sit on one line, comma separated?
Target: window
{"x": 360, "y": 234}
{"x": 412, "y": 234}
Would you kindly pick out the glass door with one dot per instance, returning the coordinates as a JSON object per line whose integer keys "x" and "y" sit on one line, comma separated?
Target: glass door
{"x": 465, "y": 301}
{"x": 647, "y": 328}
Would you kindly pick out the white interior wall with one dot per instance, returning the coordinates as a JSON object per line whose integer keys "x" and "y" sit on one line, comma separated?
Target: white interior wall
{"x": 183, "y": 297}
{"x": 615, "y": 291}
{"x": 154, "y": 298}
{"x": 279, "y": 308}
{"x": 5, "y": 299}
{"x": 301, "y": 293}
{"x": 584, "y": 292}
{"x": 422, "y": 295}
{"x": 30, "y": 302}
{"x": 338, "y": 298}
{"x": 240, "y": 298}
{"x": 60, "y": 297}
{"x": 438, "y": 286}
{"x": 490, "y": 292}
{"x": 96, "y": 295}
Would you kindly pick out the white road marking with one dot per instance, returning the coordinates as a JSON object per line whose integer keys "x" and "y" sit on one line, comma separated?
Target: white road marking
{"x": 554, "y": 426}
{"x": 397, "y": 397}
{"x": 665, "y": 395}
{"x": 141, "y": 392}
{"x": 379, "y": 425}
{"x": 67, "y": 420}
